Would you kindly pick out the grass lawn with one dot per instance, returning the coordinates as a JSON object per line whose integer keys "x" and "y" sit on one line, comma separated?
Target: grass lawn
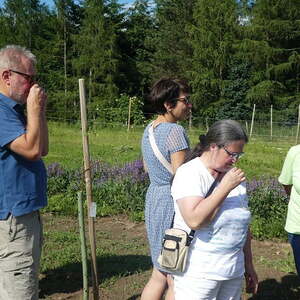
{"x": 122, "y": 250}
{"x": 117, "y": 146}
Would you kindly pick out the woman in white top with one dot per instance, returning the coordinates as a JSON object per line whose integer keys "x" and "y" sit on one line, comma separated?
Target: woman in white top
{"x": 220, "y": 254}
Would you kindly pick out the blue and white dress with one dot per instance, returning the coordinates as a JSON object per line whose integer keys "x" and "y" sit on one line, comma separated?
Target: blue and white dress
{"x": 159, "y": 206}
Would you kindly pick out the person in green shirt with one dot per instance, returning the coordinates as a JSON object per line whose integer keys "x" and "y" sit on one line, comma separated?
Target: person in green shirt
{"x": 290, "y": 179}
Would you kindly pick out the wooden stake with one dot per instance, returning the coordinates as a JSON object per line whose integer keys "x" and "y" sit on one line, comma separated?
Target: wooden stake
{"x": 271, "y": 122}
{"x": 129, "y": 113}
{"x": 298, "y": 125}
{"x": 190, "y": 121}
{"x": 252, "y": 121}
{"x": 85, "y": 294}
{"x": 88, "y": 186}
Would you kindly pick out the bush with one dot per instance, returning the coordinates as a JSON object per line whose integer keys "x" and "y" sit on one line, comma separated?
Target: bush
{"x": 268, "y": 205}
{"x": 122, "y": 190}
{"x": 115, "y": 189}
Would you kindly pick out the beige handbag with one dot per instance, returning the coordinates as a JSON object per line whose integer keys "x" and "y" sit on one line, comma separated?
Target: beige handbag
{"x": 174, "y": 251}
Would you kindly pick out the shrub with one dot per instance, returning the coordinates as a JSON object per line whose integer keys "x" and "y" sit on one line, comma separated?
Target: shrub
{"x": 268, "y": 205}
{"x": 115, "y": 189}
{"x": 122, "y": 189}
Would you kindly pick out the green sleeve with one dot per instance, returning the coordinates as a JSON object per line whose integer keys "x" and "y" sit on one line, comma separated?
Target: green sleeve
{"x": 296, "y": 174}
{"x": 286, "y": 176}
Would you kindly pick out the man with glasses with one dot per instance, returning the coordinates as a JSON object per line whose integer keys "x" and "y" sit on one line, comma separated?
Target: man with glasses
{"x": 23, "y": 141}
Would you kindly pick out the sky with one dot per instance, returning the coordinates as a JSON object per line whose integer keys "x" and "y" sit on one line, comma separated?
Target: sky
{"x": 50, "y": 2}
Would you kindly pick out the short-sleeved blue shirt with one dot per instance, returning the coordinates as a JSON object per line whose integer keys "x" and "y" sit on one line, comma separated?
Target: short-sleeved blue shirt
{"x": 23, "y": 183}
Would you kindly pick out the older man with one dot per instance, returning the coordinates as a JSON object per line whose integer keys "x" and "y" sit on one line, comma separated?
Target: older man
{"x": 23, "y": 141}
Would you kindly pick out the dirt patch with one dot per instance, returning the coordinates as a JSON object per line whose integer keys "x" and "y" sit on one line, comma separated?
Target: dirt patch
{"x": 123, "y": 274}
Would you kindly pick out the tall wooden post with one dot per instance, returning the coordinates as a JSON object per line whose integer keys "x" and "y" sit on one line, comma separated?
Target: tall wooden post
{"x": 247, "y": 129}
{"x": 271, "y": 122}
{"x": 88, "y": 186}
{"x": 129, "y": 114}
{"x": 252, "y": 121}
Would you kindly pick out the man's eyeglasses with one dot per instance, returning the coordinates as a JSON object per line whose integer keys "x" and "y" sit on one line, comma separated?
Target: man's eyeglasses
{"x": 29, "y": 78}
{"x": 234, "y": 155}
{"x": 186, "y": 100}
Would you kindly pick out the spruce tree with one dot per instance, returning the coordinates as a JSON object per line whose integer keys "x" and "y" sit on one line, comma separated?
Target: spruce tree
{"x": 96, "y": 61}
{"x": 272, "y": 45}
{"x": 173, "y": 52}
{"x": 213, "y": 36}
{"x": 136, "y": 50}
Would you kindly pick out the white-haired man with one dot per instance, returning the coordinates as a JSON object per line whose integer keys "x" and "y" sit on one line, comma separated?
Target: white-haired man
{"x": 23, "y": 180}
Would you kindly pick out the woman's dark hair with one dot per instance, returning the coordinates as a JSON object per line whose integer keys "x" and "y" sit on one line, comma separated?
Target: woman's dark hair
{"x": 166, "y": 90}
{"x": 220, "y": 133}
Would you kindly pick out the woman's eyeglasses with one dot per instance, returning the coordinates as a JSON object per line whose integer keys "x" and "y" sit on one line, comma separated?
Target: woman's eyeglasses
{"x": 186, "y": 100}
{"x": 234, "y": 155}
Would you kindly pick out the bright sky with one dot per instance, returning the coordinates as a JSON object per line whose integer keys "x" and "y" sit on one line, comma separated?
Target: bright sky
{"x": 50, "y": 2}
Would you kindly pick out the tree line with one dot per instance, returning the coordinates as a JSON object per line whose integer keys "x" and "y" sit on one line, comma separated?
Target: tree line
{"x": 233, "y": 53}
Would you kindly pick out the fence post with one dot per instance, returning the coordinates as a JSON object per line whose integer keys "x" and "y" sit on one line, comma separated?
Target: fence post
{"x": 271, "y": 120}
{"x": 298, "y": 125}
{"x": 247, "y": 129}
{"x": 206, "y": 122}
{"x": 129, "y": 113}
{"x": 85, "y": 289}
{"x": 252, "y": 121}
{"x": 88, "y": 186}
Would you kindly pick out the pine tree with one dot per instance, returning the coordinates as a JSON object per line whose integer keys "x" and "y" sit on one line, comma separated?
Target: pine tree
{"x": 173, "y": 52}
{"x": 96, "y": 59}
{"x": 135, "y": 66}
{"x": 213, "y": 36}
{"x": 272, "y": 45}
{"x": 24, "y": 21}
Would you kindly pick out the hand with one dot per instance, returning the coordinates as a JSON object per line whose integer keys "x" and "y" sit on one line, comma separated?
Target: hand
{"x": 36, "y": 100}
{"x": 233, "y": 178}
{"x": 251, "y": 281}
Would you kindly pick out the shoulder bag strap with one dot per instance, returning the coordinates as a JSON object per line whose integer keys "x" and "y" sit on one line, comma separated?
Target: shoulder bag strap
{"x": 192, "y": 232}
{"x": 156, "y": 151}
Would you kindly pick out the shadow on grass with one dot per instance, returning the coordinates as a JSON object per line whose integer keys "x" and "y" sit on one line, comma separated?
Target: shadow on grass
{"x": 271, "y": 289}
{"x": 68, "y": 279}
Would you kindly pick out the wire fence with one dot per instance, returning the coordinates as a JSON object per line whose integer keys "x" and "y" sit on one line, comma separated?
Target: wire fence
{"x": 261, "y": 129}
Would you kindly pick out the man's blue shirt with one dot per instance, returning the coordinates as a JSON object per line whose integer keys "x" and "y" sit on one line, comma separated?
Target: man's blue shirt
{"x": 23, "y": 183}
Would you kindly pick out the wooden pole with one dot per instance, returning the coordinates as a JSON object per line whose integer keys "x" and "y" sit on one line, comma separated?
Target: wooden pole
{"x": 88, "y": 186}
{"x": 271, "y": 122}
{"x": 298, "y": 125}
{"x": 247, "y": 129}
{"x": 252, "y": 121}
{"x": 190, "y": 121}
{"x": 129, "y": 113}
{"x": 206, "y": 121}
{"x": 85, "y": 293}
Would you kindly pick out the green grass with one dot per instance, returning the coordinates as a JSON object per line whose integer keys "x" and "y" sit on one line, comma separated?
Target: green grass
{"x": 114, "y": 146}
{"x": 117, "y": 146}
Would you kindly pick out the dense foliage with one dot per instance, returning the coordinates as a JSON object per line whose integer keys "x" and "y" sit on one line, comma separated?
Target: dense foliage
{"x": 234, "y": 53}
{"x": 123, "y": 189}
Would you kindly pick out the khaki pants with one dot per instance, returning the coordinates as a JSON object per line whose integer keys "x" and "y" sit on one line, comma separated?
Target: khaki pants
{"x": 20, "y": 252}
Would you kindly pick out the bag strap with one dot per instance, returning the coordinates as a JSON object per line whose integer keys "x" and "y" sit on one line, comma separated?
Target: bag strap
{"x": 192, "y": 232}
{"x": 157, "y": 152}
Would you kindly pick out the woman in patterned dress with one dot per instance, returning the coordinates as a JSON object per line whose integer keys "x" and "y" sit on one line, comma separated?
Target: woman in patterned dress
{"x": 169, "y": 98}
